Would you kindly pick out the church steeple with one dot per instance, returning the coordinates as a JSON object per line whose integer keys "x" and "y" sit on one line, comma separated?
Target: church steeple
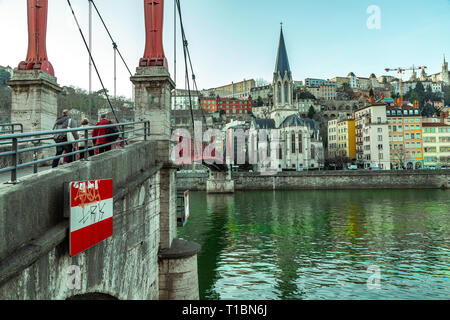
{"x": 282, "y": 64}
{"x": 282, "y": 77}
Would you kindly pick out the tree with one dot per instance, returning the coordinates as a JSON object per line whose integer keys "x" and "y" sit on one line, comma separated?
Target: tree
{"x": 446, "y": 92}
{"x": 4, "y": 76}
{"x": 5, "y": 100}
{"x": 398, "y": 156}
{"x": 260, "y": 82}
{"x": 311, "y": 112}
{"x": 345, "y": 92}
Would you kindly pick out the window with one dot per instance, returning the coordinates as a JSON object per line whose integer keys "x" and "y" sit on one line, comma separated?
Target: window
{"x": 293, "y": 142}
{"x": 380, "y": 138}
{"x": 300, "y": 144}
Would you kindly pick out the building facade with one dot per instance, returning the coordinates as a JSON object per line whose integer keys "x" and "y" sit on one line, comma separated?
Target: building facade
{"x": 310, "y": 82}
{"x": 183, "y": 99}
{"x": 405, "y": 137}
{"x": 231, "y": 107}
{"x": 436, "y": 141}
{"x": 372, "y": 137}
{"x": 323, "y": 92}
{"x": 346, "y": 139}
{"x": 238, "y": 90}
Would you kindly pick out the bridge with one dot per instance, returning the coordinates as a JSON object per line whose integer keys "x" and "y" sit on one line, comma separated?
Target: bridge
{"x": 143, "y": 259}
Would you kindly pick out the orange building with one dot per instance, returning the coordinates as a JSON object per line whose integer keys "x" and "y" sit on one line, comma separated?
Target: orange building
{"x": 405, "y": 137}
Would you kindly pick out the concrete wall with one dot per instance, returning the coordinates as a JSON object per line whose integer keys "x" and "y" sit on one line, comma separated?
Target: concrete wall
{"x": 332, "y": 180}
{"x": 34, "y": 258}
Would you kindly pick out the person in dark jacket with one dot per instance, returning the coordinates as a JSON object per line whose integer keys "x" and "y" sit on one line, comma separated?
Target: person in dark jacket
{"x": 65, "y": 122}
{"x": 101, "y": 132}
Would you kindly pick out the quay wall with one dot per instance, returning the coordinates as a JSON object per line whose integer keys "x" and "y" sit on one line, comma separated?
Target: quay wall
{"x": 326, "y": 180}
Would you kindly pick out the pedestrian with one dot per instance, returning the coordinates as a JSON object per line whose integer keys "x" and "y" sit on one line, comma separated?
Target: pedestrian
{"x": 64, "y": 122}
{"x": 83, "y": 145}
{"x": 100, "y": 132}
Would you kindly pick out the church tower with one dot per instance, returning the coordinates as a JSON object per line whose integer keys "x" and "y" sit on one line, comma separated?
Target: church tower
{"x": 283, "y": 83}
{"x": 444, "y": 74}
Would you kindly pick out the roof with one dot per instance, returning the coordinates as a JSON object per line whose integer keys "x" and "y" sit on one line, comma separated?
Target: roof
{"x": 294, "y": 120}
{"x": 264, "y": 123}
{"x": 435, "y": 124}
{"x": 282, "y": 64}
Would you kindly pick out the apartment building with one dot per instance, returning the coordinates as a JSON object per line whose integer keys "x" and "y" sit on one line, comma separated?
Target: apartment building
{"x": 436, "y": 143}
{"x": 405, "y": 137}
{"x": 372, "y": 137}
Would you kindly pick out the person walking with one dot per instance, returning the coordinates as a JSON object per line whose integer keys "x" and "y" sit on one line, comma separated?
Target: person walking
{"x": 83, "y": 145}
{"x": 100, "y": 132}
{"x": 64, "y": 122}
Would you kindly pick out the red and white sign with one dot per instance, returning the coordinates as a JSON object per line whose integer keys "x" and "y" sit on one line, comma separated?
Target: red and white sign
{"x": 91, "y": 214}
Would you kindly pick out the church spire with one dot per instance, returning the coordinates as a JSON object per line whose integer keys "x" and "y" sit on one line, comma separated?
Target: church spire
{"x": 282, "y": 63}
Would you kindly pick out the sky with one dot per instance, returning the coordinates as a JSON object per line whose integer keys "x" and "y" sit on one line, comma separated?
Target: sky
{"x": 233, "y": 40}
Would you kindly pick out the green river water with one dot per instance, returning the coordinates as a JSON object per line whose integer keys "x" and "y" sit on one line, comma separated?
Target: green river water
{"x": 374, "y": 244}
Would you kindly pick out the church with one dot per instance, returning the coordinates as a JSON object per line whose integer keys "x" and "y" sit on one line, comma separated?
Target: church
{"x": 300, "y": 145}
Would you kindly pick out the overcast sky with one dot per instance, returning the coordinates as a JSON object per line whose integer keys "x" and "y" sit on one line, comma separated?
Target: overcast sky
{"x": 232, "y": 40}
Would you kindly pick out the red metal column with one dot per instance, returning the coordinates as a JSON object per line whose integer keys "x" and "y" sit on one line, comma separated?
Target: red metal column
{"x": 154, "y": 52}
{"x": 37, "y": 38}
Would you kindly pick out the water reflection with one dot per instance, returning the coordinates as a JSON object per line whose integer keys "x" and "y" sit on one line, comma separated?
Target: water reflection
{"x": 319, "y": 244}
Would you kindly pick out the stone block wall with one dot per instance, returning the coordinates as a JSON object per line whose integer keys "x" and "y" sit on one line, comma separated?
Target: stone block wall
{"x": 327, "y": 180}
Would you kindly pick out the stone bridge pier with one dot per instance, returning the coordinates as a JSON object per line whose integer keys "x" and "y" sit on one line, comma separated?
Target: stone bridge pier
{"x": 220, "y": 182}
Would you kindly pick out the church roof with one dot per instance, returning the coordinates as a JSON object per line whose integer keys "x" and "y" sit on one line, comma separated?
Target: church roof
{"x": 282, "y": 63}
{"x": 264, "y": 123}
{"x": 294, "y": 120}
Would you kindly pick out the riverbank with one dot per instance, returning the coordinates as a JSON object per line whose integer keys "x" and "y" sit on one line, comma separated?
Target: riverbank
{"x": 325, "y": 180}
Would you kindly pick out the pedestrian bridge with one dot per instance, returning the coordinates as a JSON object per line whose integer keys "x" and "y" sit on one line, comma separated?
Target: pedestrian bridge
{"x": 143, "y": 259}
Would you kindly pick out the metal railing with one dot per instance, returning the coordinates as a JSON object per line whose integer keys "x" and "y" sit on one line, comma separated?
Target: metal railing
{"x": 45, "y": 140}
{"x": 10, "y": 128}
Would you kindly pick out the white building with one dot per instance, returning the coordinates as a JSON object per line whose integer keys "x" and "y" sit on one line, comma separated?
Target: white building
{"x": 181, "y": 100}
{"x": 372, "y": 137}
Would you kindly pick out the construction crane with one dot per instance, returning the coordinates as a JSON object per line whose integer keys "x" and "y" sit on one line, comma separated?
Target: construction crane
{"x": 400, "y": 71}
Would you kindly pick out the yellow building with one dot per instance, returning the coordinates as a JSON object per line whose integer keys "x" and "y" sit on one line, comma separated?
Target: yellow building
{"x": 405, "y": 137}
{"x": 346, "y": 138}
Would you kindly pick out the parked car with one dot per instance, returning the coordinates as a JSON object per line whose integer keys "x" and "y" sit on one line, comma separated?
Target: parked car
{"x": 352, "y": 167}
{"x": 375, "y": 168}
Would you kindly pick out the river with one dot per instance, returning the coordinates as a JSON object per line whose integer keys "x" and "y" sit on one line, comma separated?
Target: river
{"x": 374, "y": 244}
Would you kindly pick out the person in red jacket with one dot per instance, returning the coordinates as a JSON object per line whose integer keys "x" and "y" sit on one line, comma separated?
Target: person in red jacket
{"x": 101, "y": 132}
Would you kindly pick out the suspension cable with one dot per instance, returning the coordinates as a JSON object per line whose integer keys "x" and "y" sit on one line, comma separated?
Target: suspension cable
{"x": 110, "y": 36}
{"x": 187, "y": 57}
{"x": 93, "y": 62}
